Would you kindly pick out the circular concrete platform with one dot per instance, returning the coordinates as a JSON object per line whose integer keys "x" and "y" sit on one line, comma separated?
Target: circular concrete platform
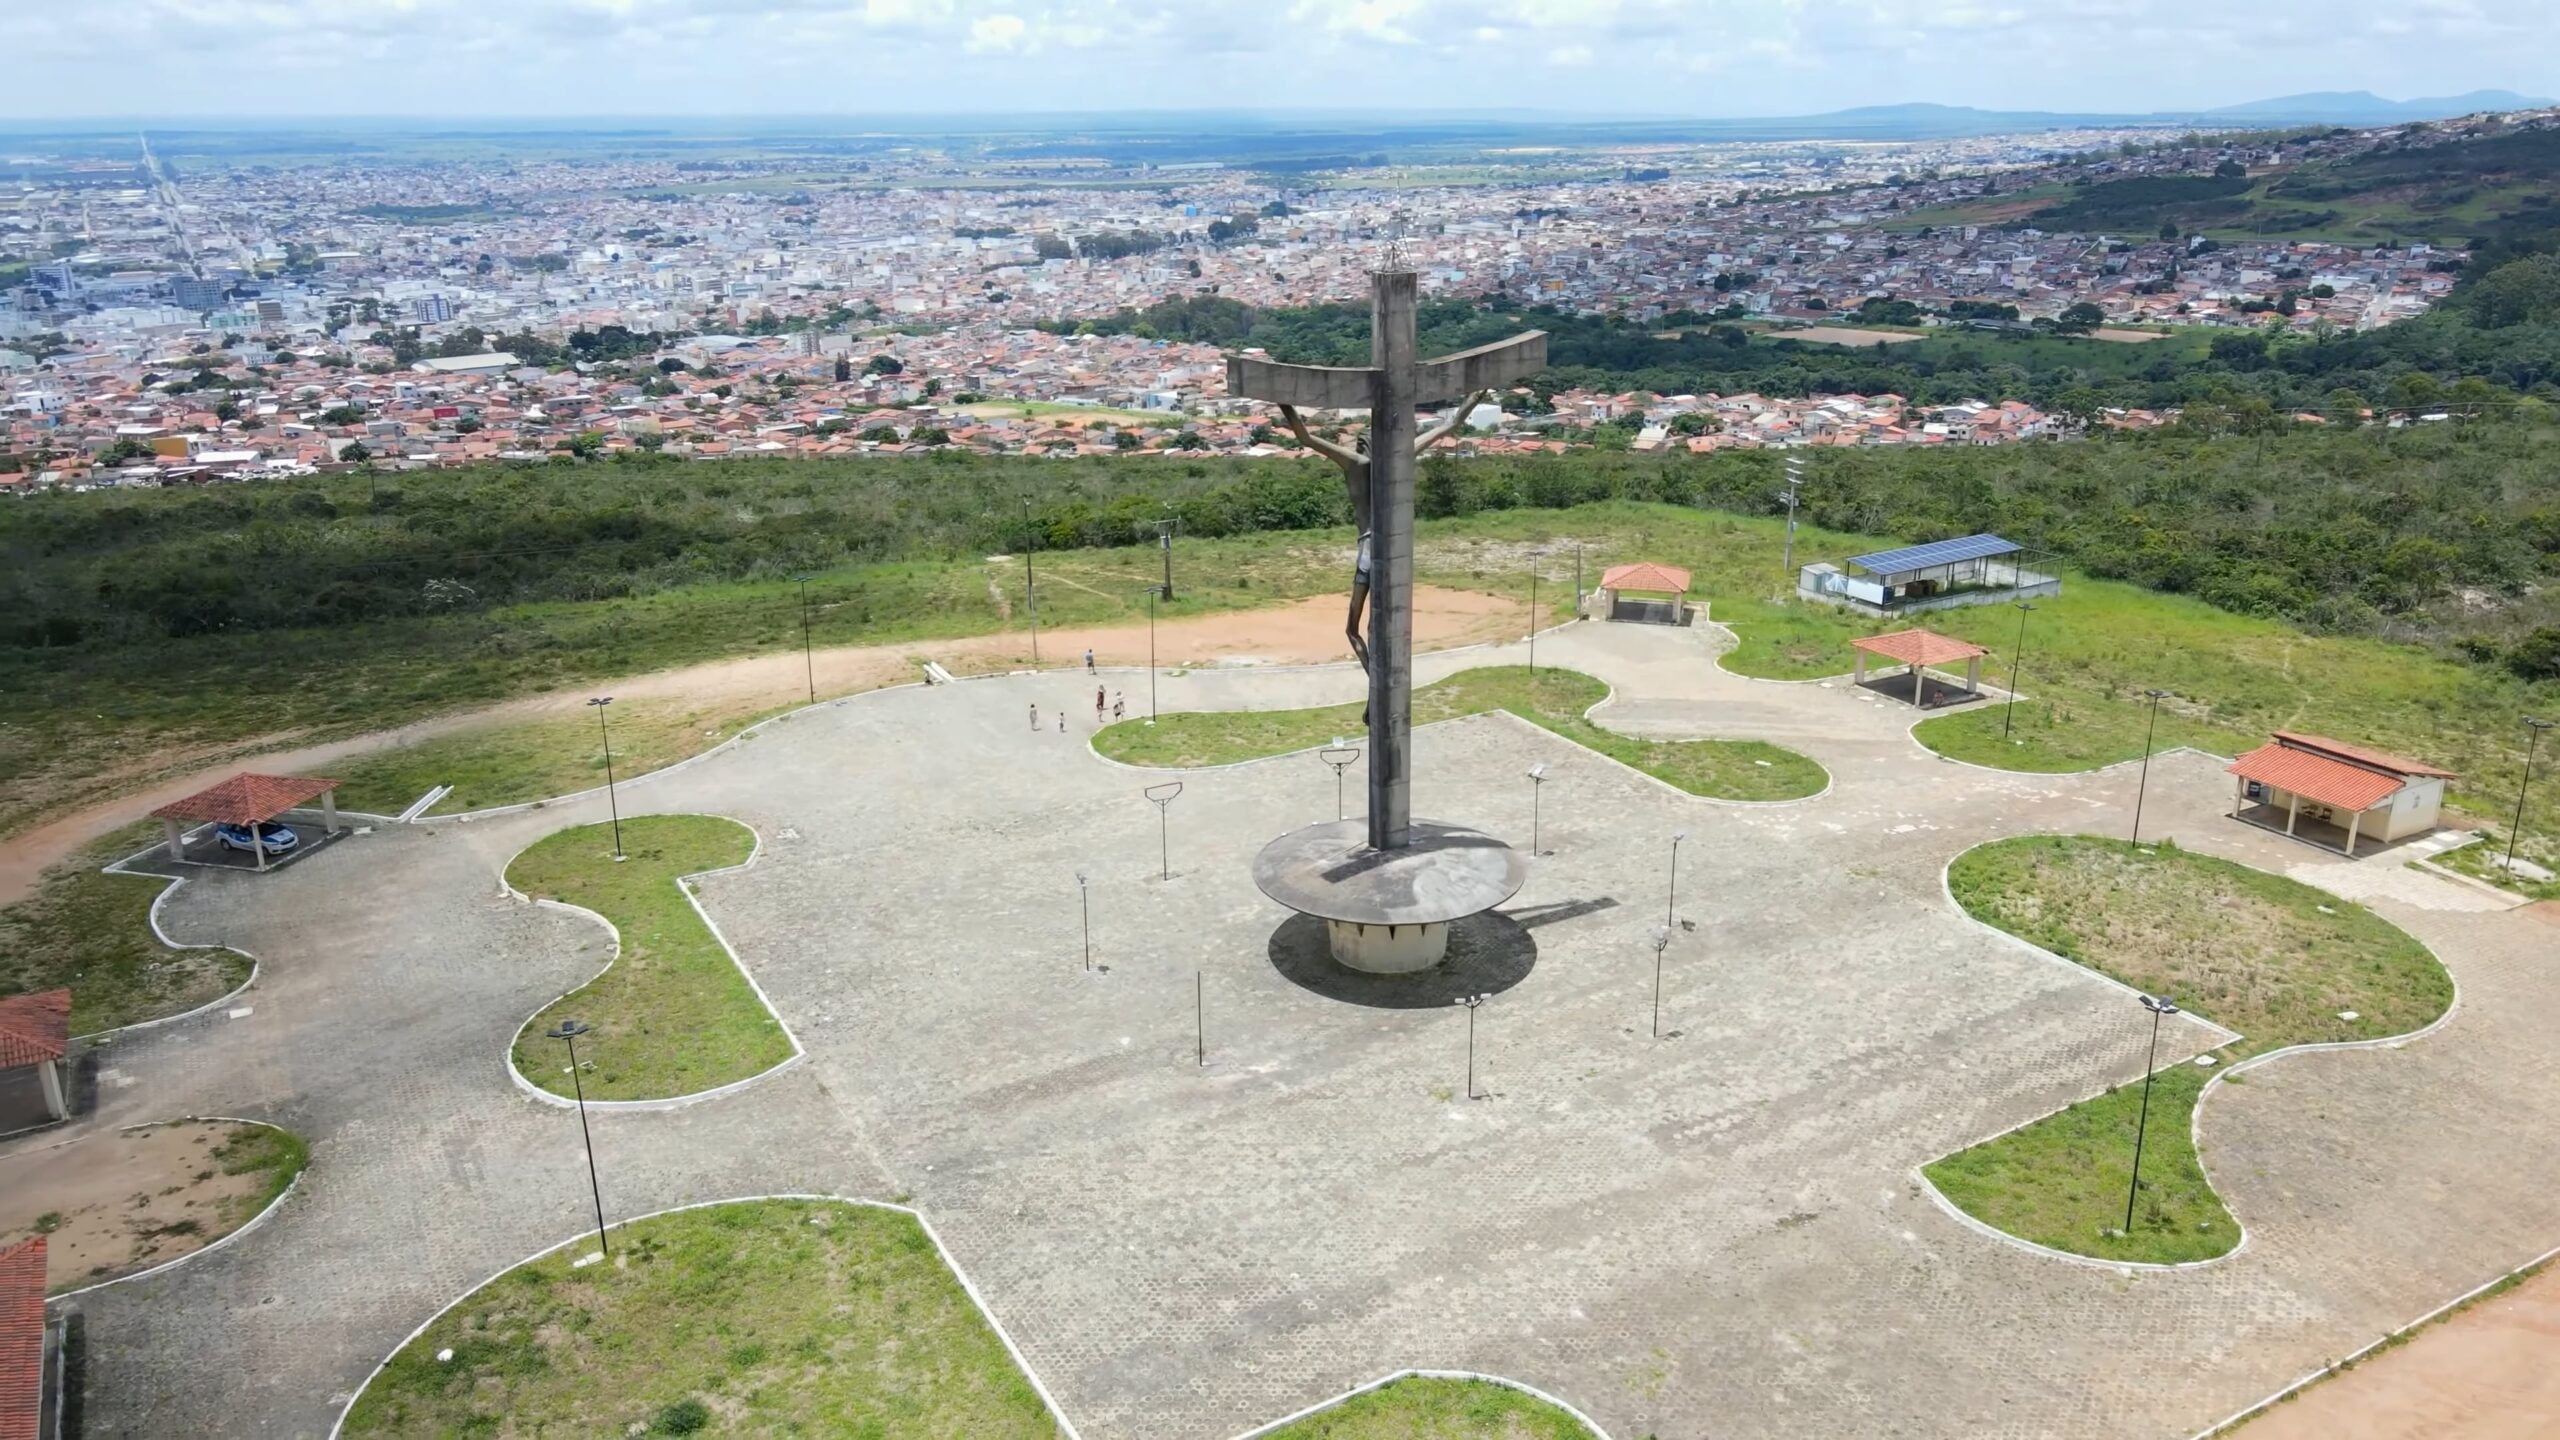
{"x": 1388, "y": 912}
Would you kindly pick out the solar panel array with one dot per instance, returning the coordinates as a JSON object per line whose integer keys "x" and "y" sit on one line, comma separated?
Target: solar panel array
{"x": 1936, "y": 552}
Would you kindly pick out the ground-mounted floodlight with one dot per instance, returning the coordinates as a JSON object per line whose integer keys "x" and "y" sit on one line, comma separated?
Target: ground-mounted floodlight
{"x": 2533, "y": 743}
{"x": 2143, "y": 786}
{"x": 2158, "y": 1005}
{"x": 569, "y": 1031}
{"x": 613, "y": 803}
{"x": 2017, "y": 663}
{"x": 1537, "y": 784}
{"x": 1030, "y": 587}
{"x": 1341, "y": 757}
{"x": 1471, "y": 1003}
{"x": 1671, "y": 901}
{"x": 1661, "y": 942}
{"x": 1084, "y": 895}
{"x": 1163, "y": 796}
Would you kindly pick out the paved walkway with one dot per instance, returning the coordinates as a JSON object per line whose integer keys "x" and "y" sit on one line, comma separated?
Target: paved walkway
{"x": 1716, "y": 1233}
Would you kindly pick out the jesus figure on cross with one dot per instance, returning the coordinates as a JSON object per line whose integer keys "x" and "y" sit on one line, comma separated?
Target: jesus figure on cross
{"x": 1379, "y": 475}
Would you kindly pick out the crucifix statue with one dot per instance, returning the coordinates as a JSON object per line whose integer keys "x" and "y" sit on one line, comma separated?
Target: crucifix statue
{"x": 1380, "y": 479}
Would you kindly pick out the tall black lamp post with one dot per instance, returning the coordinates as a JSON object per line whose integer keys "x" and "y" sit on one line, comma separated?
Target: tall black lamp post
{"x": 612, "y": 801}
{"x": 1661, "y": 942}
{"x": 1534, "y": 557}
{"x": 808, "y": 656}
{"x": 1152, "y": 592}
{"x": 2143, "y": 786}
{"x": 1030, "y": 589}
{"x": 1671, "y": 902}
{"x": 569, "y": 1031}
{"x": 1084, "y": 895}
{"x": 1795, "y": 479}
{"x": 1163, "y": 796}
{"x": 1537, "y": 784}
{"x": 2158, "y": 1005}
{"x": 2533, "y": 743}
{"x": 2017, "y": 663}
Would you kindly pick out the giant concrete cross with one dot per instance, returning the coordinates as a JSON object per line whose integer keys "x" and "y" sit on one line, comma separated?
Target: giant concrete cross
{"x": 1390, "y": 387}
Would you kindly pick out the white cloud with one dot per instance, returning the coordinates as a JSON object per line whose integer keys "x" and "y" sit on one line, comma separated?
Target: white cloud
{"x": 802, "y": 56}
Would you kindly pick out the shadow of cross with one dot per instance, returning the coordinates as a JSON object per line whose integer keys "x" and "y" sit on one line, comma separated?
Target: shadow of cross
{"x": 1390, "y": 387}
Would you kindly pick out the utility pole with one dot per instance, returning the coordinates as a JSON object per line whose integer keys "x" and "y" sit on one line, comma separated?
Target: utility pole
{"x": 1030, "y": 593}
{"x": 1795, "y": 478}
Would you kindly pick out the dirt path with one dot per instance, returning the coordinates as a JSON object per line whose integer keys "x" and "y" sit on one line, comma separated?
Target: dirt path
{"x": 2485, "y": 1374}
{"x": 1303, "y": 632}
{"x": 115, "y": 1202}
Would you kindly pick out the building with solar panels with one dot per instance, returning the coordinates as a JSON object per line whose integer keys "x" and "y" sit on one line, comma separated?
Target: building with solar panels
{"x": 1973, "y": 570}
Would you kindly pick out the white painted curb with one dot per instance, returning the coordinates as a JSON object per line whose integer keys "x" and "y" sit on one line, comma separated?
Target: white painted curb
{"x": 120, "y": 867}
{"x": 1383, "y": 1381}
{"x": 967, "y": 1286}
{"x": 2195, "y": 1117}
{"x": 684, "y": 886}
{"x": 252, "y": 1223}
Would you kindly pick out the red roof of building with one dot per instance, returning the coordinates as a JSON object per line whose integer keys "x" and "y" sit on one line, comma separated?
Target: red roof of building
{"x": 34, "y": 1028}
{"x": 1646, "y": 575}
{"x": 2380, "y": 760}
{"x": 1919, "y": 647}
{"x": 247, "y": 799}
{"x": 22, "y": 1340}
{"x": 2315, "y": 776}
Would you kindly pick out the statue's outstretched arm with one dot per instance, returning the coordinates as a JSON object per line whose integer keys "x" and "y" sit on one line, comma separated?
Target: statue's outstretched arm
{"x": 1457, "y": 417}
{"x": 1326, "y": 448}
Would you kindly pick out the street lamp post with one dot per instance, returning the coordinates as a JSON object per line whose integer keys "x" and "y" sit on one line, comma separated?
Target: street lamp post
{"x": 2017, "y": 663}
{"x": 1340, "y": 757}
{"x": 1165, "y": 531}
{"x": 1534, "y": 557}
{"x": 1795, "y": 477}
{"x": 1472, "y": 1003}
{"x": 1152, "y": 592}
{"x": 1671, "y": 901}
{"x": 808, "y": 656}
{"x": 569, "y": 1031}
{"x": 2158, "y": 1005}
{"x": 1030, "y": 591}
{"x": 1200, "y": 1018}
{"x": 612, "y": 801}
{"x": 1661, "y": 942}
{"x": 1537, "y": 784}
{"x": 2533, "y": 742}
{"x": 1163, "y": 795}
{"x": 2143, "y": 786}
{"x": 1084, "y": 896}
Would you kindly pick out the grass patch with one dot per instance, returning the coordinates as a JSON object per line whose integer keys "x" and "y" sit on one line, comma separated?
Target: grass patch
{"x": 1554, "y": 700}
{"x": 2480, "y": 860}
{"x": 1428, "y": 1408}
{"x": 92, "y": 931}
{"x": 2269, "y": 957}
{"x": 276, "y": 1154}
{"x": 536, "y": 759}
{"x": 760, "y": 1317}
{"x": 672, "y": 1014}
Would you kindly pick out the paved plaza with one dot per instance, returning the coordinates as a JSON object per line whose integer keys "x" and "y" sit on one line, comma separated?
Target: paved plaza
{"x": 1718, "y": 1233}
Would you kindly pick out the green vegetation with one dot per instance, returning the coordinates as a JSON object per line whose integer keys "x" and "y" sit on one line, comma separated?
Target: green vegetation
{"x": 1426, "y": 1408}
{"x": 673, "y": 1014}
{"x": 535, "y": 759}
{"x": 1552, "y": 699}
{"x": 807, "y": 1317}
{"x": 2483, "y": 860}
{"x": 92, "y": 931}
{"x": 276, "y": 1154}
{"x": 2271, "y": 958}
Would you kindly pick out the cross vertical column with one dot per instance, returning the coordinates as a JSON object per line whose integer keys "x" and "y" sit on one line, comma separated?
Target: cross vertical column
{"x": 1391, "y": 436}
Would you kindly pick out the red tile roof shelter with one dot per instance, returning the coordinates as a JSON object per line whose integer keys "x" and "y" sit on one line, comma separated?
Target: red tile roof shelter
{"x": 2402, "y": 796}
{"x": 1647, "y": 576}
{"x": 1917, "y": 650}
{"x": 35, "y": 1033}
{"x": 1644, "y": 577}
{"x": 23, "y": 1336}
{"x": 247, "y": 799}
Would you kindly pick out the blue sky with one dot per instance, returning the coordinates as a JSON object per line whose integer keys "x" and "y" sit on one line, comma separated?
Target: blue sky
{"x": 1685, "y": 57}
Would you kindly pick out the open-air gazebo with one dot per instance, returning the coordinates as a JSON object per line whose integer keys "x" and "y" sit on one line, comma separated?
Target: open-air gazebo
{"x": 1916, "y": 651}
{"x": 250, "y": 800}
{"x": 1646, "y": 592}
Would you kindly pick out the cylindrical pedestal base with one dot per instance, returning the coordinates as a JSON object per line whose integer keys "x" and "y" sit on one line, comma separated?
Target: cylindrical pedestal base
{"x": 1388, "y": 949}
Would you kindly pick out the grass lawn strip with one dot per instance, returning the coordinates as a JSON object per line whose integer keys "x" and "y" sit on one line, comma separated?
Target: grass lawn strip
{"x": 2269, "y": 957}
{"x": 1426, "y": 1407}
{"x": 812, "y": 1317}
{"x": 673, "y": 1014}
{"x": 2481, "y": 861}
{"x": 1555, "y": 700}
{"x": 92, "y": 931}
{"x": 489, "y": 766}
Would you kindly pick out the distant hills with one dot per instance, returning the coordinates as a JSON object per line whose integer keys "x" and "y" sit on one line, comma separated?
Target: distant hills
{"x": 2354, "y": 108}
{"x": 2363, "y": 107}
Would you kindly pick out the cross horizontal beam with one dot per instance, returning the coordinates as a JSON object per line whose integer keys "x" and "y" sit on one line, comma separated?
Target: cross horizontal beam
{"x": 1307, "y": 387}
{"x": 1486, "y": 367}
